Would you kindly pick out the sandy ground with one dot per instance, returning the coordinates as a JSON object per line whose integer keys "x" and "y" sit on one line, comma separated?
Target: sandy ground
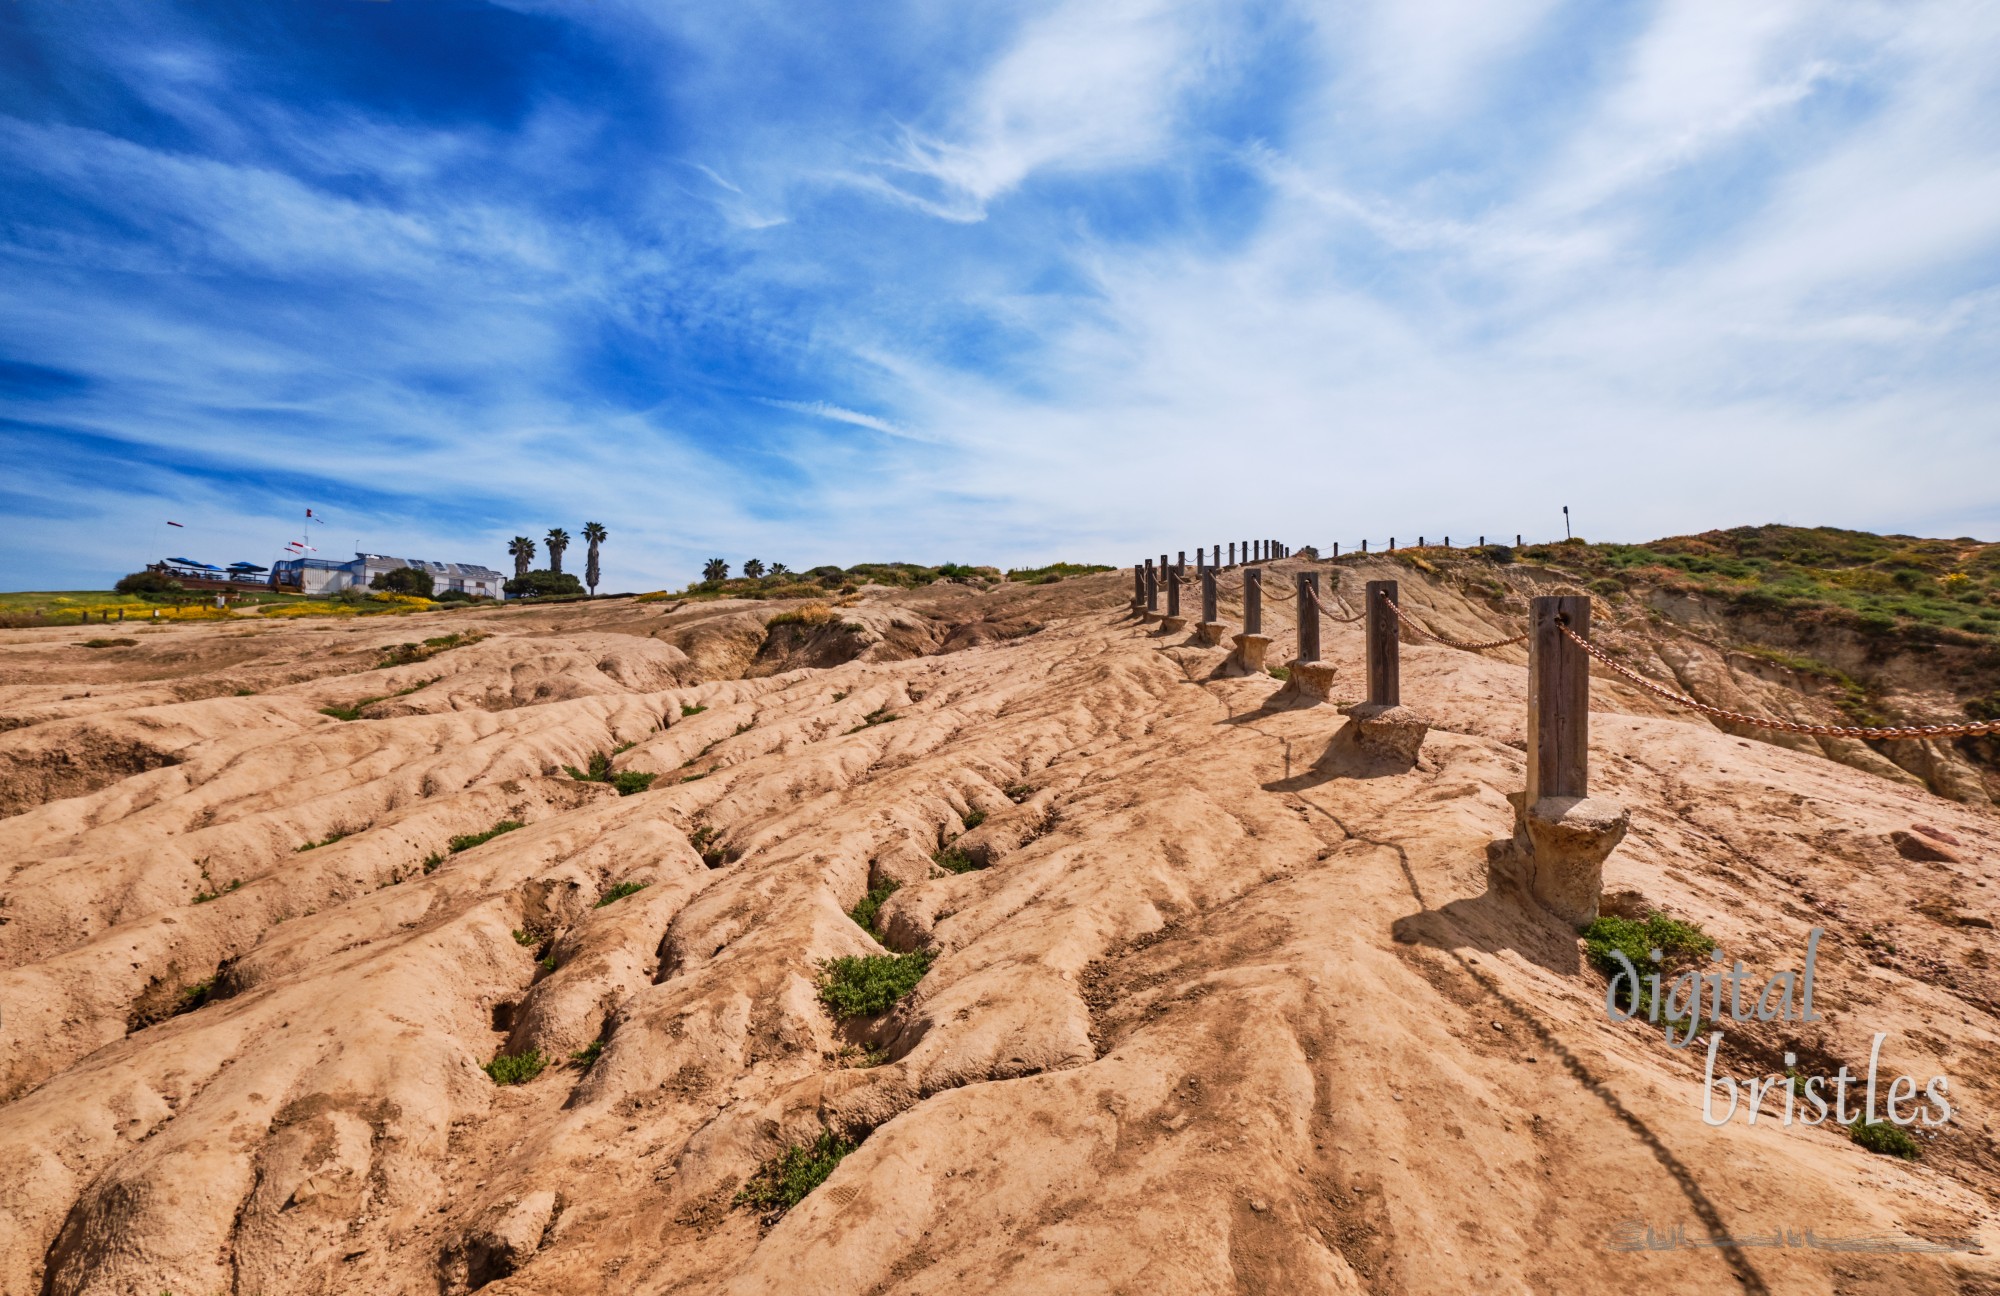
{"x": 1228, "y": 1009}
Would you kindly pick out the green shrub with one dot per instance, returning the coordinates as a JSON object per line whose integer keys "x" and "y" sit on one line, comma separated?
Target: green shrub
{"x": 952, "y": 860}
{"x": 518, "y": 1068}
{"x": 469, "y": 840}
{"x": 1884, "y": 1138}
{"x": 351, "y": 712}
{"x": 194, "y": 996}
{"x": 868, "y": 985}
{"x": 972, "y": 818}
{"x": 1280, "y": 672}
{"x": 871, "y": 904}
{"x": 526, "y": 938}
{"x": 880, "y": 715}
{"x": 1017, "y": 792}
{"x": 409, "y": 654}
{"x": 327, "y": 840}
{"x": 1052, "y": 573}
{"x": 431, "y": 862}
{"x": 599, "y": 770}
{"x": 630, "y": 781}
{"x": 687, "y": 710}
{"x": 586, "y": 1057}
{"x": 1679, "y": 943}
{"x": 149, "y": 584}
{"x": 203, "y": 897}
{"x": 404, "y": 580}
{"x": 543, "y": 583}
{"x": 783, "y": 1182}
{"x": 620, "y": 891}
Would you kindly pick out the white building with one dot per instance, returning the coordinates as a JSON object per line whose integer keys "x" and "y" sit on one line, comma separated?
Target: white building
{"x": 323, "y": 576}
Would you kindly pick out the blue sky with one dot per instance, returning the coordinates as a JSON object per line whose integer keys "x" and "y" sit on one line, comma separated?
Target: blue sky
{"x": 977, "y": 283}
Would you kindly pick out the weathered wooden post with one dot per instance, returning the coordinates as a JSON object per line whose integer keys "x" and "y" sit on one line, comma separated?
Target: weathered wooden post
{"x": 1152, "y": 589}
{"x": 1382, "y": 724}
{"x": 1310, "y": 678}
{"x": 1138, "y": 585}
{"x": 1517, "y": 539}
{"x": 1562, "y": 834}
{"x": 1420, "y": 542}
{"x": 1364, "y": 545}
{"x": 1174, "y": 620}
{"x": 1199, "y": 565}
{"x": 1336, "y": 548}
{"x": 1482, "y": 542}
{"x": 1251, "y": 645}
{"x": 1447, "y": 542}
{"x": 1232, "y": 553}
{"x": 1180, "y": 564}
{"x": 1216, "y": 560}
{"x": 1211, "y": 627}
{"x": 1385, "y": 676}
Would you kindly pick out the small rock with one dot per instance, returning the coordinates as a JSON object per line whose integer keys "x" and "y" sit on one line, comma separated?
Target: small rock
{"x": 1497, "y": 1026}
{"x": 1912, "y": 847}
{"x": 1936, "y": 834}
{"x": 1259, "y": 1205}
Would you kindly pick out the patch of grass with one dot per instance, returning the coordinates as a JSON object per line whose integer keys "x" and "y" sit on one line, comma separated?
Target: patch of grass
{"x": 870, "y": 908}
{"x": 410, "y": 654}
{"x": 972, "y": 819}
{"x": 620, "y": 891}
{"x": 516, "y": 1068}
{"x": 783, "y": 1182}
{"x": 546, "y": 963}
{"x": 327, "y": 840}
{"x": 599, "y": 770}
{"x": 431, "y": 862}
{"x": 1279, "y": 672}
{"x": 527, "y": 939}
{"x": 952, "y": 860}
{"x": 1017, "y": 792}
{"x": 351, "y": 712}
{"x": 469, "y": 840}
{"x": 712, "y": 852}
{"x": 840, "y": 696}
{"x": 868, "y": 985}
{"x": 1679, "y": 943}
{"x": 622, "y": 748}
{"x": 880, "y": 715}
{"x": 584, "y": 1058}
{"x": 744, "y": 728}
{"x": 695, "y": 778}
{"x": 687, "y": 710}
{"x": 203, "y": 897}
{"x": 1884, "y": 1138}
{"x": 108, "y": 643}
{"x": 194, "y": 996}
{"x": 246, "y": 693}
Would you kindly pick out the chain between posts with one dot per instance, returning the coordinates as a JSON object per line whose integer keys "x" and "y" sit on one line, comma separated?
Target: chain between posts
{"x": 1327, "y": 612}
{"x": 1450, "y": 643}
{"x": 1782, "y": 726}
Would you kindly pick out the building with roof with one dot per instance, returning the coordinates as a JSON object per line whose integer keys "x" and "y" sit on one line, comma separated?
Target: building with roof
{"x": 324, "y": 576}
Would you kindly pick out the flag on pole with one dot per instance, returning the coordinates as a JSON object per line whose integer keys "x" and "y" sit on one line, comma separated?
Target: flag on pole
{"x": 320, "y": 520}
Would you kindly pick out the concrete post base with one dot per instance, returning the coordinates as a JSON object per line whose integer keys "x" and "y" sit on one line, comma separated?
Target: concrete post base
{"x": 1558, "y": 851}
{"x": 1396, "y": 731}
{"x": 1150, "y": 615}
{"x": 1172, "y": 624}
{"x": 1209, "y": 632}
{"x": 1248, "y": 659}
{"x": 1311, "y": 681}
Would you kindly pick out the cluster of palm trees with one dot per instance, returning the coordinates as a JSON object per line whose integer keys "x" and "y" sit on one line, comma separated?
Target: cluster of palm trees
{"x": 522, "y": 550}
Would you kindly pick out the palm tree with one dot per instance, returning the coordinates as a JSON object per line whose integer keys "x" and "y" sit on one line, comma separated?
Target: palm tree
{"x": 753, "y": 568}
{"x": 595, "y": 534}
{"x": 715, "y": 570}
{"x": 523, "y": 551}
{"x": 557, "y": 540}
{"x": 779, "y": 569}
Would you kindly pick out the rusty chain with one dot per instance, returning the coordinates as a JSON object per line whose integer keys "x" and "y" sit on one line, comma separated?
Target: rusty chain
{"x": 1782, "y": 726}
{"x": 1327, "y": 613}
{"x": 1452, "y": 643}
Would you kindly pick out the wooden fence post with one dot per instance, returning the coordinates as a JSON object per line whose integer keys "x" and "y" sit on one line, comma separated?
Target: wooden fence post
{"x": 1336, "y": 548}
{"x": 1152, "y": 587}
{"x": 1174, "y": 592}
{"x": 1208, "y": 595}
{"x": 1308, "y": 592}
{"x": 1138, "y": 585}
{"x": 1385, "y": 677}
{"x": 1253, "y": 600}
{"x": 1561, "y": 833}
{"x": 1216, "y": 559}
{"x": 1232, "y": 553}
{"x": 1558, "y": 699}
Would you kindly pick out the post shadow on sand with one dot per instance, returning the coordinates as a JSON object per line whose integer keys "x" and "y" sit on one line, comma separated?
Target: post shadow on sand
{"x": 1356, "y": 750}
{"x": 1505, "y": 916}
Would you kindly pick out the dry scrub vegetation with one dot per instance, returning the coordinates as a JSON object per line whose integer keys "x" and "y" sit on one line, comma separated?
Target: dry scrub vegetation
{"x": 970, "y": 938}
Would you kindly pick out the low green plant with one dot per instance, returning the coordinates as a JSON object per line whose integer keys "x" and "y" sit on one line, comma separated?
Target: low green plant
{"x": 623, "y": 747}
{"x": 620, "y": 891}
{"x": 409, "y": 654}
{"x": 880, "y": 715}
{"x": 526, "y": 938}
{"x": 469, "y": 840}
{"x": 599, "y": 770}
{"x": 867, "y": 985}
{"x": 246, "y": 692}
{"x": 687, "y": 710}
{"x": 1017, "y": 792}
{"x": 871, "y": 904}
{"x": 783, "y": 1182}
{"x": 327, "y": 840}
{"x": 431, "y": 862}
{"x": 351, "y": 712}
{"x": 585, "y": 1057}
{"x": 194, "y": 996}
{"x": 1280, "y": 672}
{"x": 203, "y": 897}
{"x": 952, "y": 860}
{"x": 630, "y": 781}
{"x": 1679, "y": 943}
{"x": 546, "y": 963}
{"x": 1052, "y": 573}
{"x": 1885, "y": 1139}
{"x": 972, "y": 818}
{"x": 516, "y": 1068}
